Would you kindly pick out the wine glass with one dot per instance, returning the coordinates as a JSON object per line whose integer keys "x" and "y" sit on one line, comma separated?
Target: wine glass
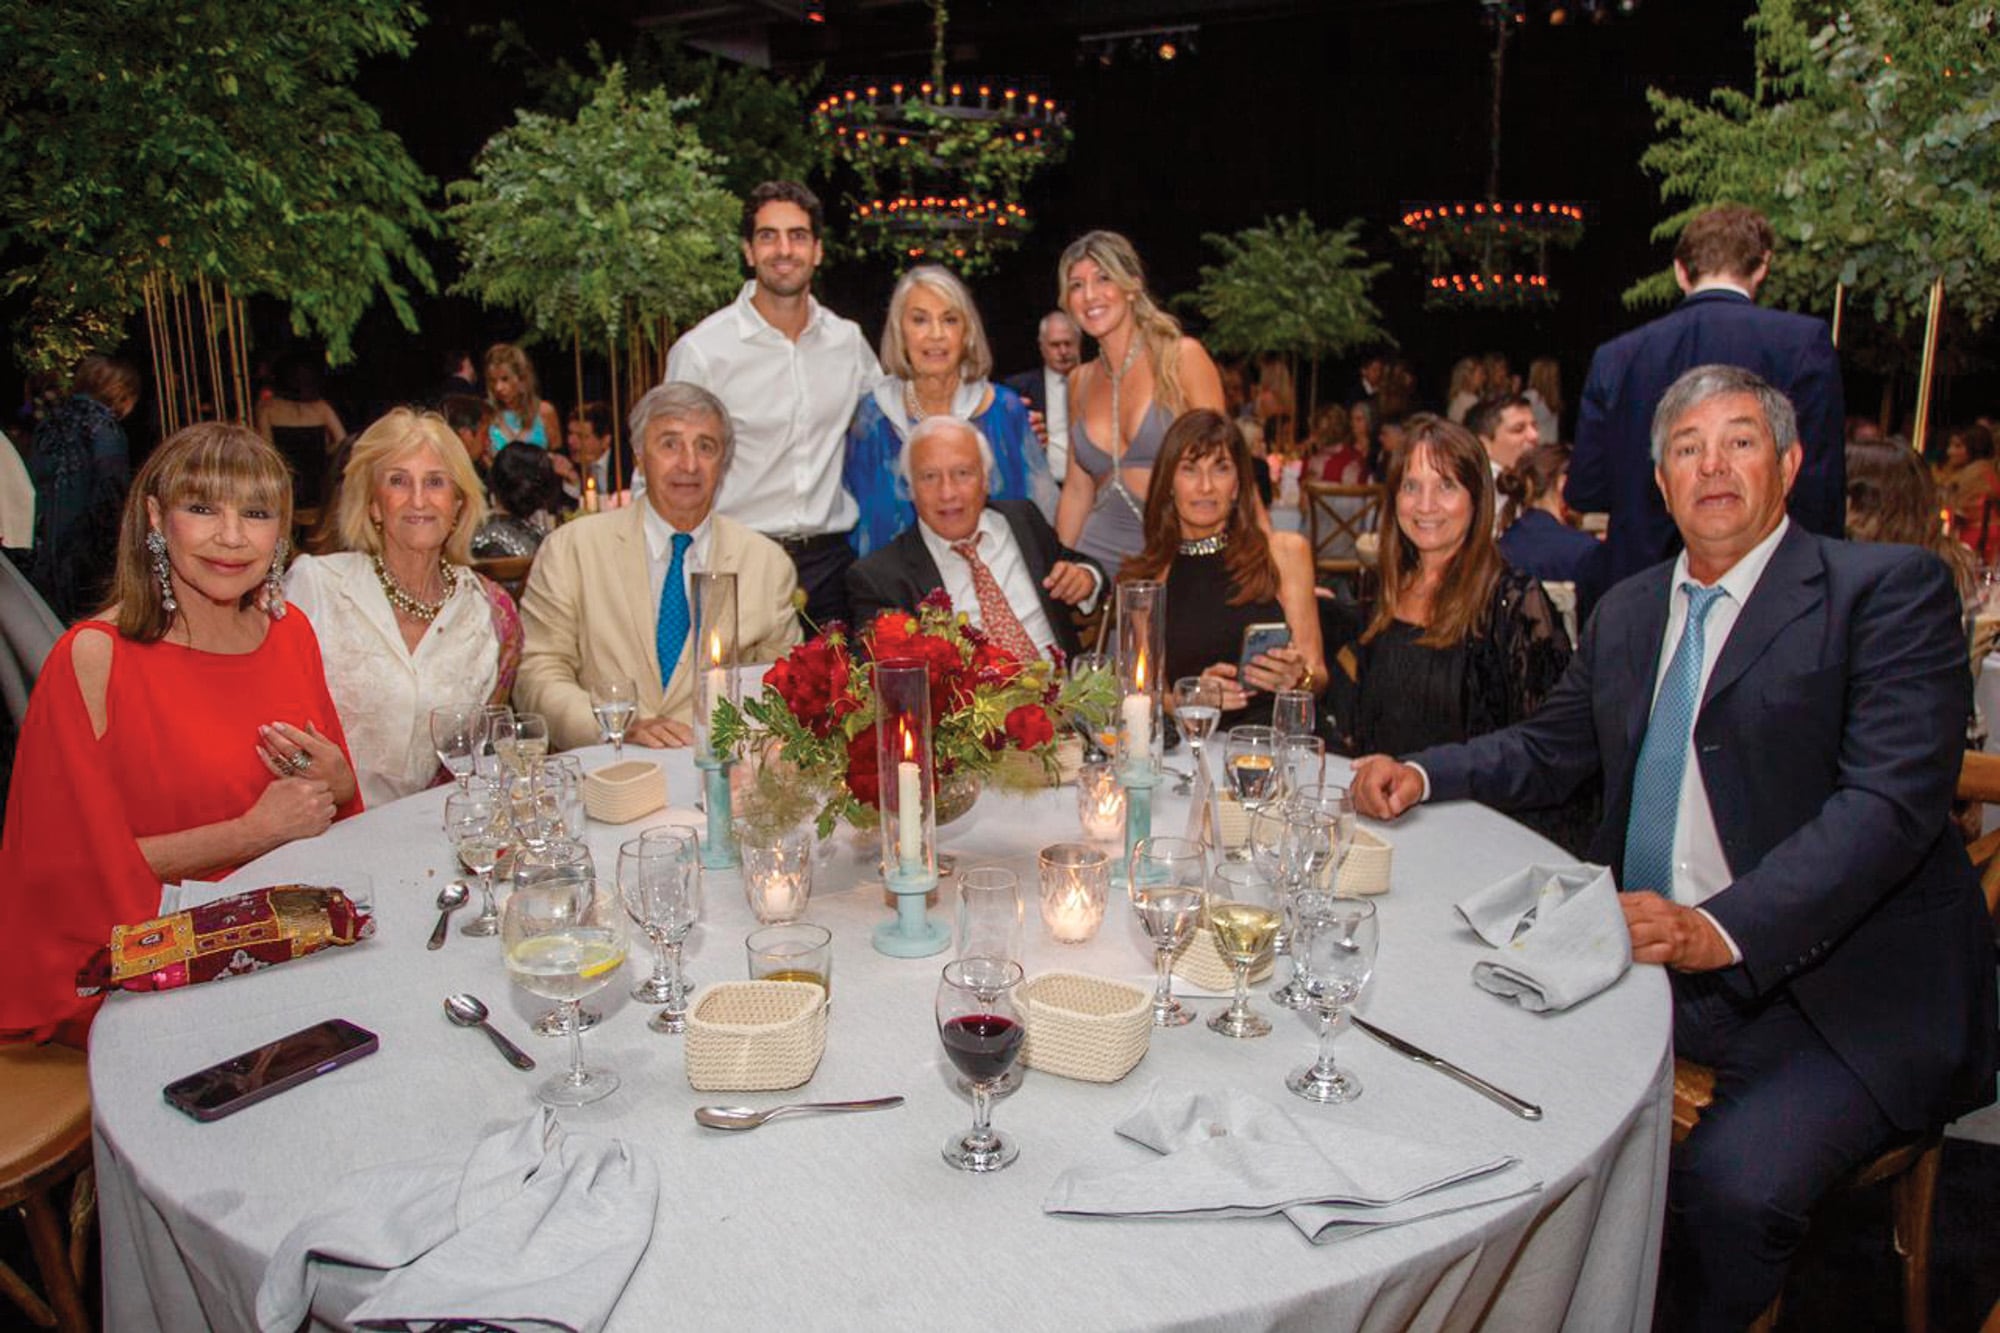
{"x": 980, "y": 1024}
{"x": 1335, "y": 954}
{"x": 1292, "y": 712}
{"x": 1244, "y": 911}
{"x": 1197, "y": 711}
{"x": 658, "y": 879}
{"x": 563, "y": 940}
{"x": 492, "y": 740}
{"x": 1324, "y": 856}
{"x": 551, "y": 860}
{"x": 472, "y": 822}
{"x": 613, "y": 703}
{"x": 1250, "y": 769}
{"x": 1166, "y": 880}
{"x": 1301, "y": 763}
{"x": 564, "y": 773}
{"x": 1315, "y": 840}
{"x": 531, "y": 739}
{"x": 452, "y": 727}
{"x": 990, "y": 916}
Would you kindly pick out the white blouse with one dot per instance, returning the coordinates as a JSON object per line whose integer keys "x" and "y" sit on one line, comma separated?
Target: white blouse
{"x": 385, "y": 692}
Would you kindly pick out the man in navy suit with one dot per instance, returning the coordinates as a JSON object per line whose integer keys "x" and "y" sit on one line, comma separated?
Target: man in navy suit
{"x": 1046, "y": 389}
{"x": 1720, "y": 261}
{"x": 999, "y": 561}
{"x": 1778, "y": 719}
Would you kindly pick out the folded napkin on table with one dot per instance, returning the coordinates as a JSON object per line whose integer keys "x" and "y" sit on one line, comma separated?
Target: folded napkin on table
{"x": 1227, "y": 1154}
{"x": 536, "y": 1229}
{"x": 1560, "y": 933}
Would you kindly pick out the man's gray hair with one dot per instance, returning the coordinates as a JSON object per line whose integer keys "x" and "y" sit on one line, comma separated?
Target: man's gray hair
{"x": 677, "y": 400}
{"x": 1697, "y": 386}
{"x": 1042, "y": 328}
{"x": 938, "y": 425}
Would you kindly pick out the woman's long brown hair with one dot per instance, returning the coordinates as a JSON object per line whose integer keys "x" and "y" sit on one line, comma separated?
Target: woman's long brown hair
{"x": 1204, "y": 433}
{"x": 1459, "y": 609}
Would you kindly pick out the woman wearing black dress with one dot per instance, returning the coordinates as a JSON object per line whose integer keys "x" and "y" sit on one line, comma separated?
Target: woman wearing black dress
{"x": 1224, "y": 571}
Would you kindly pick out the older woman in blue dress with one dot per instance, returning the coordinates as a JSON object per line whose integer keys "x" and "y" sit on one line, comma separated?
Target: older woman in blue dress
{"x": 935, "y": 350}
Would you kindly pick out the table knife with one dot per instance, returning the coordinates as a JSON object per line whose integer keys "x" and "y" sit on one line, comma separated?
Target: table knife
{"x": 1526, "y": 1110}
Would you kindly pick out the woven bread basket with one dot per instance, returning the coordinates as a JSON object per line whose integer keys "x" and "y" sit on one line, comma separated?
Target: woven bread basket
{"x": 1364, "y": 873}
{"x": 1082, "y": 1027}
{"x": 1200, "y": 963}
{"x": 755, "y": 1036}
{"x": 622, "y": 792}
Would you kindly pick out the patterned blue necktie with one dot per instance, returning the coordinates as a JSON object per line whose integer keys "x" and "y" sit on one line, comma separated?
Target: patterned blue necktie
{"x": 671, "y": 634}
{"x": 1656, "y": 784}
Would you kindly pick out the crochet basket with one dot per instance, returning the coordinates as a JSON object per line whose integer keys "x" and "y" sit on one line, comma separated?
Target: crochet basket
{"x": 622, "y": 792}
{"x": 755, "y": 1036}
{"x": 1082, "y": 1027}
{"x": 1364, "y": 873}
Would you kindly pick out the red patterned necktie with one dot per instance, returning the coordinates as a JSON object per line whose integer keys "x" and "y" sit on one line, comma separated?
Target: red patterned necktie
{"x": 996, "y": 617}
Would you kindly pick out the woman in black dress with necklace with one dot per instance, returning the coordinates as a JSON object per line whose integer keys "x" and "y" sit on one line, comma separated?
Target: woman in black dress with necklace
{"x": 1224, "y": 571}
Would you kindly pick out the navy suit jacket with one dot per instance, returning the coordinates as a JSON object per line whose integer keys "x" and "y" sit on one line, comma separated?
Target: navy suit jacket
{"x": 1829, "y": 738}
{"x": 1611, "y": 470}
{"x": 1029, "y": 385}
{"x": 902, "y": 573}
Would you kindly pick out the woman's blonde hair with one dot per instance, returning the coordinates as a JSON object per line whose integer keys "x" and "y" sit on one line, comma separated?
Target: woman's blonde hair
{"x": 214, "y": 461}
{"x": 976, "y": 362}
{"x": 506, "y": 356}
{"x": 1467, "y": 373}
{"x": 392, "y": 438}
{"x": 1159, "y": 331}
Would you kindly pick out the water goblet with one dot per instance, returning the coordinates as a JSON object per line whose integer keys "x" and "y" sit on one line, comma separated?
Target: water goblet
{"x": 564, "y": 772}
{"x": 989, "y": 913}
{"x": 563, "y": 941}
{"x": 1250, "y": 769}
{"x": 1335, "y": 954}
{"x": 1301, "y": 763}
{"x": 492, "y": 741}
{"x": 979, "y": 1022}
{"x": 1292, "y": 712}
{"x": 452, "y": 736}
{"x": 658, "y": 876}
{"x": 471, "y": 821}
{"x": 1243, "y": 913}
{"x": 1166, "y": 880}
{"x": 614, "y": 703}
{"x": 531, "y": 739}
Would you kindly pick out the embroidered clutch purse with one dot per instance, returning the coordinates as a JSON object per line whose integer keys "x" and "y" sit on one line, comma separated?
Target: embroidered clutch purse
{"x": 245, "y": 932}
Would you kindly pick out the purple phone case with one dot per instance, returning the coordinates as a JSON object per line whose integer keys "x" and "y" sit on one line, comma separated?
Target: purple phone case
{"x": 356, "y": 1042}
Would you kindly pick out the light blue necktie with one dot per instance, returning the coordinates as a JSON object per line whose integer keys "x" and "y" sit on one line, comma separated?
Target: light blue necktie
{"x": 1656, "y": 784}
{"x": 671, "y": 634}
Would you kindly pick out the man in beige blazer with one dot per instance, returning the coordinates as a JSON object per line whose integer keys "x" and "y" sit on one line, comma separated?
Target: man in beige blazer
{"x": 592, "y": 608}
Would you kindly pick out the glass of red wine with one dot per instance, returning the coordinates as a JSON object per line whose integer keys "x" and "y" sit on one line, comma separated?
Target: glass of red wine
{"x": 981, "y": 1027}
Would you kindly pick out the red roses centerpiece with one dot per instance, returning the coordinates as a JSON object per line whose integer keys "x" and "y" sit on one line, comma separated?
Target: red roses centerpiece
{"x": 816, "y": 714}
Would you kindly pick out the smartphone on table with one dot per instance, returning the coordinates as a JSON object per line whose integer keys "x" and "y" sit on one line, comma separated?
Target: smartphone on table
{"x": 226, "y": 1088}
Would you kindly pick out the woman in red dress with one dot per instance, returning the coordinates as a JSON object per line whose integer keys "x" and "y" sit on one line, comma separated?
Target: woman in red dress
{"x": 182, "y": 731}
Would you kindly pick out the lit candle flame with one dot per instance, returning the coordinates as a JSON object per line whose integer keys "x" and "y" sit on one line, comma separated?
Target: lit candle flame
{"x": 909, "y": 743}
{"x": 1139, "y": 673}
{"x": 715, "y": 647}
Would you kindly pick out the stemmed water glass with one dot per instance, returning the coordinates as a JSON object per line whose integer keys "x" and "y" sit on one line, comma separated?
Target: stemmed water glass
{"x": 1292, "y": 712}
{"x": 1250, "y": 767}
{"x": 1197, "y": 711}
{"x": 531, "y": 740}
{"x": 1244, "y": 911}
{"x": 472, "y": 822}
{"x": 1335, "y": 955}
{"x": 613, "y": 703}
{"x": 1301, "y": 763}
{"x": 452, "y": 736}
{"x": 1166, "y": 880}
{"x": 563, "y": 941}
{"x": 980, "y": 1024}
{"x": 492, "y": 742}
{"x": 659, "y": 879}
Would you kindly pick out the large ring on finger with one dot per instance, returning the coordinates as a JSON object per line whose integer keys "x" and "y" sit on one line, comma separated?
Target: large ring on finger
{"x": 299, "y": 762}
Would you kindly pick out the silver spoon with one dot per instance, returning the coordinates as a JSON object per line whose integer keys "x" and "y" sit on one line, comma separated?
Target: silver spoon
{"x": 469, "y": 1011}
{"x": 450, "y": 898}
{"x": 742, "y": 1117}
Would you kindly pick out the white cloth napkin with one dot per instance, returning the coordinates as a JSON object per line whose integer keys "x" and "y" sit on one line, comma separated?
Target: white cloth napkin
{"x": 1560, "y": 933}
{"x": 535, "y": 1230}
{"x": 1227, "y": 1154}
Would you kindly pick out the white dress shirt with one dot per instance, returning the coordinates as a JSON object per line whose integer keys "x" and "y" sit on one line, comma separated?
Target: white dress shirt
{"x": 1002, "y": 555}
{"x": 790, "y": 403}
{"x": 1055, "y": 409}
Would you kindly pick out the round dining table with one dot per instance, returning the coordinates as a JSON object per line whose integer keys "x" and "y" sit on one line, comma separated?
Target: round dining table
{"x": 855, "y": 1221}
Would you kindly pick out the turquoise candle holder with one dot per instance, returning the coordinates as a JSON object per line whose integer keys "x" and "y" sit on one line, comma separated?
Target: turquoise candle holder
{"x": 1138, "y": 780}
{"x": 718, "y": 849}
{"x": 911, "y": 933}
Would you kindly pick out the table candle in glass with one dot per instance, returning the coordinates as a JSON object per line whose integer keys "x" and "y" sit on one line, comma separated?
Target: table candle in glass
{"x": 1076, "y": 881}
{"x": 1142, "y": 624}
{"x": 1100, "y": 801}
{"x": 714, "y": 598}
{"x": 777, "y": 870}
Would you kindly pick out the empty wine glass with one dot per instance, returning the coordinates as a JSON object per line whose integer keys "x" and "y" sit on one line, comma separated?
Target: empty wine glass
{"x": 613, "y": 703}
{"x": 1335, "y": 955}
{"x": 1243, "y": 913}
{"x": 531, "y": 739}
{"x": 980, "y": 1024}
{"x": 1292, "y": 712}
{"x": 452, "y": 736}
{"x": 1320, "y": 872}
{"x": 1301, "y": 763}
{"x": 658, "y": 877}
{"x": 564, "y": 773}
{"x": 563, "y": 941}
{"x": 493, "y": 741}
{"x": 472, "y": 822}
{"x": 1313, "y": 840}
{"x": 1166, "y": 880}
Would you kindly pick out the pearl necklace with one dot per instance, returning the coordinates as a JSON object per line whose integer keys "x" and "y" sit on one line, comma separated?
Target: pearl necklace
{"x": 402, "y": 599}
{"x": 916, "y": 409}
{"x": 1209, "y": 545}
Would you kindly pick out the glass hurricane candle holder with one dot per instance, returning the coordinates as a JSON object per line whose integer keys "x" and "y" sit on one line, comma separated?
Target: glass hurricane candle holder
{"x": 907, "y": 773}
{"x": 1142, "y": 629}
{"x": 714, "y": 664}
{"x": 1076, "y": 882}
{"x": 1100, "y": 801}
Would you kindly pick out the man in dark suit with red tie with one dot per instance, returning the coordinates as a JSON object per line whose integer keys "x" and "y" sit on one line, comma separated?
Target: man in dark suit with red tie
{"x": 1778, "y": 719}
{"x": 1720, "y": 262}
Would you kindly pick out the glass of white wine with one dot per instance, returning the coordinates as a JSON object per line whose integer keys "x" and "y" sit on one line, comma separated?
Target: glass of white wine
{"x": 452, "y": 736}
{"x": 1166, "y": 880}
{"x": 472, "y": 822}
{"x": 1243, "y": 913}
{"x": 563, "y": 941}
{"x": 614, "y": 703}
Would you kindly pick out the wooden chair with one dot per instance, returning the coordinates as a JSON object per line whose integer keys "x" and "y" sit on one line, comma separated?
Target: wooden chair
{"x": 509, "y": 571}
{"x": 1911, "y": 1168}
{"x": 1336, "y": 518}
{"x": 45, "y": 1144}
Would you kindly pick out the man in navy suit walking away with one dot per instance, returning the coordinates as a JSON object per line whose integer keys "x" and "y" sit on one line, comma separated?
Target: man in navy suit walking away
{"x": 1720, "y": 261}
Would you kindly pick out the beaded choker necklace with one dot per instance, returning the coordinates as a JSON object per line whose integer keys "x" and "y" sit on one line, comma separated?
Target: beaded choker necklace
{"x": 401, "y": 598}
{"x": 1209, "y": 545}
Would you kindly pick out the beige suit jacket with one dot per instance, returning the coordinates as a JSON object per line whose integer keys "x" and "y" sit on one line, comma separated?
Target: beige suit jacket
{"x": 589, "y": 615}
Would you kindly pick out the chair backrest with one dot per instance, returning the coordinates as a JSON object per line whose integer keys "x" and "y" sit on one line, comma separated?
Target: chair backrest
{"x": 509, "y": 571}
{"x": 1336, "y": 516}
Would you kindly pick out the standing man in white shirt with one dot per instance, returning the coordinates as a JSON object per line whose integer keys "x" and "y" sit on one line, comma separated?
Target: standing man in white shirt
{"x": 1047, "y": 390}
{"x": 791, "y": 373}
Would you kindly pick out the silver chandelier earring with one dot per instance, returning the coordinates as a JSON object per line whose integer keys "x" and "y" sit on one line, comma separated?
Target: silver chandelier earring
{"x": 274, "y": 582}
{"x": 156, "y": 546}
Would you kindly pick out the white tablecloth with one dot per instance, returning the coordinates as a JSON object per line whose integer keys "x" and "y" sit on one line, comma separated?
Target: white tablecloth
{"x": 839, "y": 1222}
